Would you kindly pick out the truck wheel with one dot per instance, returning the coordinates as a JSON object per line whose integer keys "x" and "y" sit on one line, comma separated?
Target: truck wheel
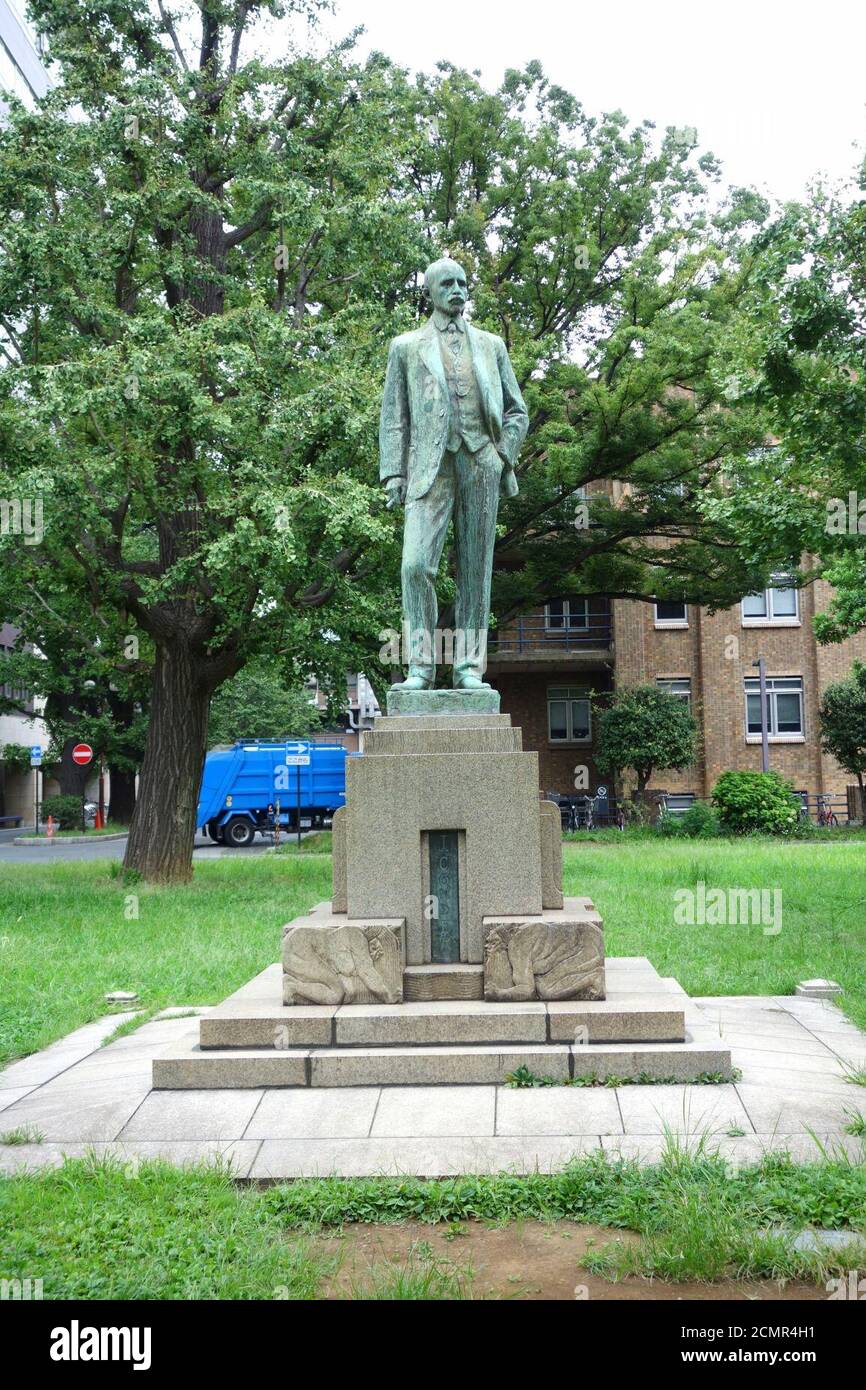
{"x": 239, "y": 833}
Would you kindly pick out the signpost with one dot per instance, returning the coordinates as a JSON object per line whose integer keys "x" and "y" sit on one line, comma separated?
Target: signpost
{"x": 298, "y": 760}
{"x": 81, "y": 756}
{"x": 36, "y": 763}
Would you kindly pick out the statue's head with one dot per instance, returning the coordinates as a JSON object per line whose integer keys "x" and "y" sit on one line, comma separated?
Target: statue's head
{"x": 446, "y": 286}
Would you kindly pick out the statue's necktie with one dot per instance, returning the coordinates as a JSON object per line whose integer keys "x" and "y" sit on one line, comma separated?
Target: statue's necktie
{"x": 455, "y": 339}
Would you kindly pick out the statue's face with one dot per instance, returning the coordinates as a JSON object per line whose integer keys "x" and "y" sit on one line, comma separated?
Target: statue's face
{"x": 449, "y": 290}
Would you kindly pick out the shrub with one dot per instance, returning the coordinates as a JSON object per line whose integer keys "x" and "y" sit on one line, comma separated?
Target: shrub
{"x": 66, "y": 809}
{"x": 700, "y": 821}
{"x": 757, "y": 802}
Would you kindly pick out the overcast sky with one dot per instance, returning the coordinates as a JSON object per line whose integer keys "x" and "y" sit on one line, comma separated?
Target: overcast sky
{"x": 776, "y": 88}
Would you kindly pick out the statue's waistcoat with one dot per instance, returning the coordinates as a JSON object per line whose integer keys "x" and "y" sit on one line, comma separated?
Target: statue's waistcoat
{"x": 466, "y": 416}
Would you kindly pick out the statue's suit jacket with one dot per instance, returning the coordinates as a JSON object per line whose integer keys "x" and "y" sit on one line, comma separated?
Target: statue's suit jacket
{"x": 416, "y": 408}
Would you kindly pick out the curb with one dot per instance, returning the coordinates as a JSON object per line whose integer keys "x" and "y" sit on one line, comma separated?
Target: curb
{"x": 69, "y": 839}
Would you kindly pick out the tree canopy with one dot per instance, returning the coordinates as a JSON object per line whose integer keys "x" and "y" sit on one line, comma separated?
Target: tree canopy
{"x": 209, "y": 235}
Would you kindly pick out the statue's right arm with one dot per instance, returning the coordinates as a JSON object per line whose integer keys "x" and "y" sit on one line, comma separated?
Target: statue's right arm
{"x": 394, "y": 424}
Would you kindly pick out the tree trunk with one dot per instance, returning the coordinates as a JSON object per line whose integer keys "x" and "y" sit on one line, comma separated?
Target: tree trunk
{"x": 122, "y": 795}
{"x": 72, "y": 778}
{"x": 162, "y": 834}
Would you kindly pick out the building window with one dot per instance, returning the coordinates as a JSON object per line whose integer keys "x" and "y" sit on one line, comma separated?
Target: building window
{"x": 568, "y": 715}
{"x": 671, "y": 614}
{"x": 566, "y": 614}
{"x": 680, "y": 686}
{"x": 784, "y": 708}
{"x": 778, "y": 605}
{"x": 677, "y": 803}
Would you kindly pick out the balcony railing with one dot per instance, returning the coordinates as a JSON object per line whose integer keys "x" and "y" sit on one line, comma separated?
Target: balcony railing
{"x": 533, "y": 634}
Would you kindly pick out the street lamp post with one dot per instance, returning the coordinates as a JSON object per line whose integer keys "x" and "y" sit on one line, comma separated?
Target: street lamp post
{"x": 765, "y": 732}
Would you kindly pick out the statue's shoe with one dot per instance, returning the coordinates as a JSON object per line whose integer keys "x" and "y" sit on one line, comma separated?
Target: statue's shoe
{"x": 412, "y": 683}
{"x": 471, "y": 683}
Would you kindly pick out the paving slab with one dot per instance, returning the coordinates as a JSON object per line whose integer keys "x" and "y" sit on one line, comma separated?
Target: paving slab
{"x": 782, "y": 1110}
{"x": 91, "y": 1111}
{"x": 311, "y": 1114}
{"x": 826, "y": 1064}
{"x": 562, "y": 1110}
{"x": 424, "y": 1112}
{"x": 742, "y": 1151}
{"x": 42, "y": 1066}
{"x": 10, "y": 1096}
{"x": 433, "y": 1158}
{"x": 758, "y": 1040}
{"x": 690, "y": 1109}
{"x": 33, "y": 1157}
{"x": 211, "y": 1114}
{"x": 765, "y": 1072}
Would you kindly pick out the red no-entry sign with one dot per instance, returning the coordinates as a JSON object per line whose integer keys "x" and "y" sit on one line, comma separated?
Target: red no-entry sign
{"x": 82, "y": 753}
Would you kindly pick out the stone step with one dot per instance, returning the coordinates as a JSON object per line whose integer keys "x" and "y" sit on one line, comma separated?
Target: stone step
{"x": 187, "y": 1066}
{"x": 623, "y": 1018}
{"x": 423, "y": 983}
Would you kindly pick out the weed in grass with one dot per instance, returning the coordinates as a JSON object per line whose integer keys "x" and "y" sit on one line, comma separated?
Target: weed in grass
{"x": 417, "y": 1280}
{"x": 524, "y": 1077}
{"x": 24, "y": 1134}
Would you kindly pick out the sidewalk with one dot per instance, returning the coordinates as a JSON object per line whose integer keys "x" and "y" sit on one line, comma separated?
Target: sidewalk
{"x": 793, "y": 1054}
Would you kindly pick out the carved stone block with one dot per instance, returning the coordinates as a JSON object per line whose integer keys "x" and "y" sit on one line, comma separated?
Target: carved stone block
{"x": 351, "y": 963}
{"x": 534, "y": 958}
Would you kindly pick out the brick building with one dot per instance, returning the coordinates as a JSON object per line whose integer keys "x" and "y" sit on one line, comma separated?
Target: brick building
{"x": 554, "y": 666}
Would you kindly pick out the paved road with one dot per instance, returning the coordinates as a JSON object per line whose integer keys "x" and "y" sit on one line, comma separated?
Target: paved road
{"x": 102, "y": 849}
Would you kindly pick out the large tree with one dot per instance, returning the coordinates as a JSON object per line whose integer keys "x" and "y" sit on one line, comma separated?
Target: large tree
{"x": 205, "y": 256}
{"x": 199, "y": 247}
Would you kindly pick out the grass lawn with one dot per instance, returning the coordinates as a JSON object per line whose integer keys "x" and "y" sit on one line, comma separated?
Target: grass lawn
{"x": 98, "y": 1230}
{"x": 633, "y": 879}
{"x": 69, "y": 934}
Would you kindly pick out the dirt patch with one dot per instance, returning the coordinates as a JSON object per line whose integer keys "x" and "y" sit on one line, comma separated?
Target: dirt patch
{"x": 528, "y": 1260}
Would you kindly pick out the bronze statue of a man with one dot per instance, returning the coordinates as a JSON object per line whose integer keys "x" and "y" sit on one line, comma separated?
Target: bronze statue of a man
{"x": 453, "y": 421}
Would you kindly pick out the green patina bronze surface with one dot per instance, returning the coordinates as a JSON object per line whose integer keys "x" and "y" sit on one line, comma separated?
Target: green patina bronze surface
{"x": 453, "y": 421}
{"x": 445, "y": 891}
{"x": 442, "y": 702}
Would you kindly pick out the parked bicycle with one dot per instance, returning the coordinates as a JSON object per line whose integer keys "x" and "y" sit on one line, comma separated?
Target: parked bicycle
{"x": 826, "y": 815}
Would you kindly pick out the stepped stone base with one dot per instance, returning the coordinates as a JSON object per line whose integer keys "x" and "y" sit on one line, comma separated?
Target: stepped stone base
{"x": 251, "y": 1041}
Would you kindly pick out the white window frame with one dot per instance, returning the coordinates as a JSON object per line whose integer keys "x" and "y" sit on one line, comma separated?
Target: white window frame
{"x": 666, "y": 682}
{"x": 567, "y": 694}
{"x": 752, "y": 686}
{"x": 682, "y": 622}
{"x": 769, "y": 618}
{"x": 567, "y": 625}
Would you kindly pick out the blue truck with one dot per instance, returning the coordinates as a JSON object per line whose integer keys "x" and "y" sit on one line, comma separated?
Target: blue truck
{"x": 257, "y": 784}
